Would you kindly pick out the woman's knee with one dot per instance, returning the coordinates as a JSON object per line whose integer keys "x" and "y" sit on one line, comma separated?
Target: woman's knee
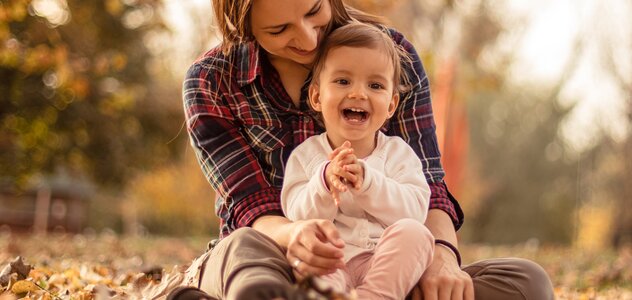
{"x": 538, "y": 285}
{"x": 510, "y": 278}
{"x": 249, "y": 242}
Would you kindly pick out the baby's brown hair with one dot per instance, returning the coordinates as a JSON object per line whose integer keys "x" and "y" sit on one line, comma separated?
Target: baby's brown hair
{"x": 362, "y": 35}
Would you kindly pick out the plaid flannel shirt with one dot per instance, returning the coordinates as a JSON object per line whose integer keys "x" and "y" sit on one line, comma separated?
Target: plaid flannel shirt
{"x": 243, "y": 126}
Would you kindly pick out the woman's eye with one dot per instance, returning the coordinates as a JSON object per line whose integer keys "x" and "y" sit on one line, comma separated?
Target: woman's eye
{"x": 279, "y": 31}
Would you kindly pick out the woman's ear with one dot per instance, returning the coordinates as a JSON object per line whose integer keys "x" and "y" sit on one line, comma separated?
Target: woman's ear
{"x": 314, "y": 97}
{"x": 393, "y": 105}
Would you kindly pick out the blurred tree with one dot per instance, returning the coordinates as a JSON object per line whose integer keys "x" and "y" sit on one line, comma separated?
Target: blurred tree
{"x": 77, "y": 91}
{"x": 516, "y": 167}
{"x": 520, "y": 159}
{"x": 620, "y": 189}
{"x": 449, "y": 37}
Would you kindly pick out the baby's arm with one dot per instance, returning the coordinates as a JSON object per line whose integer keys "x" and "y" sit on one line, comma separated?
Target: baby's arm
{"x": 304, "y": 195}
{"x": 400, "y": 192}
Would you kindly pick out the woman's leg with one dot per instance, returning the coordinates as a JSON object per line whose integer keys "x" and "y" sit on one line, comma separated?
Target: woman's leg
{"x": 246, "y": 265}
{"x": 400, "y": 257}
{"x": 509, "y": 278}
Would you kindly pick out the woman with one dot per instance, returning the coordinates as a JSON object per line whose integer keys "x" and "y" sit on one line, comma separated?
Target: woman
{"x": 246, "y": 109}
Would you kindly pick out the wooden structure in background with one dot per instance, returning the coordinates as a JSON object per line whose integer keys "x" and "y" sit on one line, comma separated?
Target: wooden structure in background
{"x": 58, "y": 203}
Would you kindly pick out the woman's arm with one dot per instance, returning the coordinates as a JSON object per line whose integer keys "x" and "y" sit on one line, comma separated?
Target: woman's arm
{"x": 225, "y": 155}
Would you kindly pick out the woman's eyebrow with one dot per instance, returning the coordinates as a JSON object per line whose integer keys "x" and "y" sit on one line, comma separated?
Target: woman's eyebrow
{"x": 311, "y": 10}
{"x": 314, "y": 7}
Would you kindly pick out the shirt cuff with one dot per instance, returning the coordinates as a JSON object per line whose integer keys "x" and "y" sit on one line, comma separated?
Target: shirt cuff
{"x": 367, "y": 181}
{"x": 263, "y": 202}
{"x": 323, "y": 179}
{"x": 440, "y": 198}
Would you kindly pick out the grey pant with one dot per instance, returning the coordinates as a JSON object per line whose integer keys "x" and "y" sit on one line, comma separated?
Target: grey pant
{"x": 247, "y": 257}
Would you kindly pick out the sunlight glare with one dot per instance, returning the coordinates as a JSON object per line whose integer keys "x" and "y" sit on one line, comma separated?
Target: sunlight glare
{"x": 55, "y": 11}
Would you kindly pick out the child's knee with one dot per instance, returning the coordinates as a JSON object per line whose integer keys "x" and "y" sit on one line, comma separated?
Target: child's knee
{"x": 413, "y": 231}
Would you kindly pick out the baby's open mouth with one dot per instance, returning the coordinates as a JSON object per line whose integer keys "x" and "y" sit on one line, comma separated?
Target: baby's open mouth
{"x": 355, "y": 114}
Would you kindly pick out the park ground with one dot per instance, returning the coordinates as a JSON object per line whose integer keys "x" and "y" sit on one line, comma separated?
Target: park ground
{"x": 82, "y": 266}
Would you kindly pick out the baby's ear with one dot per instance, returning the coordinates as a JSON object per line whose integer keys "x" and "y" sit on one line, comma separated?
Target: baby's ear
{"x": 314, "y": 97}
{"x": 393, "y": 105}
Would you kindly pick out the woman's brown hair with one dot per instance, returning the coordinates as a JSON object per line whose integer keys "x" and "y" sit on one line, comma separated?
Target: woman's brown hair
{"x": 233, "y": 19}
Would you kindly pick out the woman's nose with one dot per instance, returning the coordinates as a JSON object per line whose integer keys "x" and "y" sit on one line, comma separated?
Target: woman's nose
{"x": 307, "y": 37}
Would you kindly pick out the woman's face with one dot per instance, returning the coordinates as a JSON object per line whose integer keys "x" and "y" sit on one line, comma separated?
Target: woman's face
{"x": 290, "y": 29}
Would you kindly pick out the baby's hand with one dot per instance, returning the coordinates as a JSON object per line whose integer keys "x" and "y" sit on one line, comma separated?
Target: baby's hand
{"x": 342, "y": 170}
{"x": 357, "y": 170}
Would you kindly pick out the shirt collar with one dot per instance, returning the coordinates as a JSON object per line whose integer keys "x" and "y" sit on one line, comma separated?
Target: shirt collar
{"x": 249, "y": 64}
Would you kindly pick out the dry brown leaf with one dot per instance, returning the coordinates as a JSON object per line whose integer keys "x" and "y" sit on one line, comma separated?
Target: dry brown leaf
{"x": 16, "y": 266}
{"x": 23, "y": 287}
{"x": 5, "y": 275}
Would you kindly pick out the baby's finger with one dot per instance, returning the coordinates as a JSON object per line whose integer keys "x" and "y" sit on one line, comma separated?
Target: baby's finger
{"x": 336, "y": 183}
{"x": 334, "y": 153}
{"x": 348, "y": 159}
{"x": 344, "y": 145}
{"x": 353, "y": 168}
{"x": 343, "y": 154}
{"x": 336, "y": 196}
{"x": 349, "y": 177}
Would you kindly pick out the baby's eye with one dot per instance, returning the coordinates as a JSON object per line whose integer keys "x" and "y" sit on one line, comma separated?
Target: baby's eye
{"x": 342, "y": 81}
{"x": 376, "y": 86}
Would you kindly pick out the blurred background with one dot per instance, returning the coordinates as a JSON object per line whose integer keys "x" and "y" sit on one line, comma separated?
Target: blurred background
{"x": 533, "y": 103}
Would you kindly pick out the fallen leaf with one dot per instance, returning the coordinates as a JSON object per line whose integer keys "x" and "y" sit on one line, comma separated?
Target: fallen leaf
{"x": 23, "y": 287}
{"x": 5, "y": 275}
{"x": 18, "y": 266}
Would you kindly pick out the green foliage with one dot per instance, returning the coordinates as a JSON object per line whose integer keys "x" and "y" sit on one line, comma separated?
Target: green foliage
{"x": 76, "y": 91}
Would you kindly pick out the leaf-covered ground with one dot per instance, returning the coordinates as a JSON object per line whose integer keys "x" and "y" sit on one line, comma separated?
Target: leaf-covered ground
{"x": 106, "y": 265}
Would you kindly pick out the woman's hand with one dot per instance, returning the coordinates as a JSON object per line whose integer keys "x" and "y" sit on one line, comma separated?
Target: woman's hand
{"x": 315, "y": 248}
{"x": 444, "y": 279}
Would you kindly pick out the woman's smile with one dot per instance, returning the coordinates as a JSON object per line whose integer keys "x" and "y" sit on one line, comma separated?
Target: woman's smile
{"x": 302, "y": 52}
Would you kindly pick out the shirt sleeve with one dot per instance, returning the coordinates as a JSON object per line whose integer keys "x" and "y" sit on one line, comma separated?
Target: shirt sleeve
{"x": 399, "y": 192}
{"x": 414, "y": 122}
{"x": 224, "y": 154}
{"x": 304, "y": 195}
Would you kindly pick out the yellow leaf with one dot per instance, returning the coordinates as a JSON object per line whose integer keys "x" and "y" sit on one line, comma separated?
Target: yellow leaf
{"x": 24, "y": 286}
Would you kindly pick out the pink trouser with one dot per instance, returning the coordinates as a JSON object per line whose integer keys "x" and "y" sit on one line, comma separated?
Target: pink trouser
{"x": 393, "y": 268}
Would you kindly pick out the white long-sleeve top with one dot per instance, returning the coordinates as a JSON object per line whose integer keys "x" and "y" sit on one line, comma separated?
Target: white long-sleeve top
{"x": 393, "y": 188}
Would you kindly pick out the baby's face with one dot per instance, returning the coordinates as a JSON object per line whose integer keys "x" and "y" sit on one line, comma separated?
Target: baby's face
{"x": 355, "y": 93}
